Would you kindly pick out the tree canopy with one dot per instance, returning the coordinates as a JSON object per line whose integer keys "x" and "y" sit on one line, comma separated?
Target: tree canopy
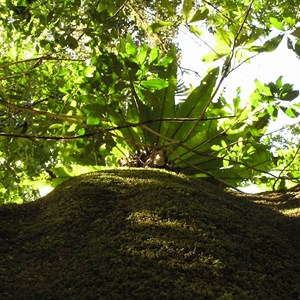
{"x": 87, "y": 84}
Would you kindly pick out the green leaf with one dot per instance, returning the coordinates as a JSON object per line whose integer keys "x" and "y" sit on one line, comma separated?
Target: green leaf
{"x": 156, "y": 84}
{"x": 89, "y": 71}
{"x": 290, "y": 112}
{"x": 199, "y": 15}
{"x": 130, "y": 48}
{"x": 71, "y": 42}
{"x": 262, "y": 122}
{"x": 296, "y": 32}
{"x": 167, "y": 4}
{"x": 63, "y": 71}
{"x": 61, "y": 172}
{"x": 276, "y": 23}
{"x": 224, "y": 40}
{"x": 195, "y": 30}
{"x": 72, "y": 128}
{"x": 224, "y": 37}
{"x": 297, "y": 47}
{"x": 269, "y": 45}
{"x": 290, "y": 21}
{"x": 186, "y": 8}
{"x": 55, "y": 126}
{"x": 155, "y": 27}
{"x": 142, "y": 55}
{"x": 153, "y": 54}
{"x": 225, "y": 163}
{"x": 93, "y": 120}
{"x": 196, "y": 103}
{"x": 289, "y": 96}
{"x": 212, "y": 56}
{"x": 237, "y": 103}
{"x": 272, "y": 44}
{"x": 165, "y": 98}
{"x": 279, "y": 82}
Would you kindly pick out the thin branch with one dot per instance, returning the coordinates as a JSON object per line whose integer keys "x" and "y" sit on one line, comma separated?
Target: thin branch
{"x": 32, "y": 111}
{"x": 41, "y": 58}
{"x": 204, "y": 154}
{"x": 225, "y": 70}
{"x": 118, "y": 11}
{"x": 227, "y": 64}
{"x": 70, "y": 138}
{"x": 202, "y": 171}
{"x": 243, "y": 62}
{"x": 42, "y": 137}
{"x": 285, "y": 167}
{"x": 198, "y": 37}
{"x": 180, "y": 120}
{"x": 218, "y": 10}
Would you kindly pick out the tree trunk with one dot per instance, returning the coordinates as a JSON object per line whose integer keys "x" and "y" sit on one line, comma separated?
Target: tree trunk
{"x": 150, "y": 234}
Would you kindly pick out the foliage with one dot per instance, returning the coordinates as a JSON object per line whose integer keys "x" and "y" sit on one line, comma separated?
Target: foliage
{"x": 94, "y": 84}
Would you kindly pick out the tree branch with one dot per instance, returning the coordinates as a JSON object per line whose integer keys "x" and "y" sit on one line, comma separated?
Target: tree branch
{"x": 118, "y": 10}
{"x": 225, "y": 70}
{"x": 41, "y": 58}
{"x": 32, "y": 111}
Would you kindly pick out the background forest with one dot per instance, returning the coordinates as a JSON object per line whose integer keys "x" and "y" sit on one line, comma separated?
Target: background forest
{"x": 88, "y": 84}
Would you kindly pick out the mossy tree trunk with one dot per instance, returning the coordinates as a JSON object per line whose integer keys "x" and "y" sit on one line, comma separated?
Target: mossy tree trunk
{"x": 150, "y": 234}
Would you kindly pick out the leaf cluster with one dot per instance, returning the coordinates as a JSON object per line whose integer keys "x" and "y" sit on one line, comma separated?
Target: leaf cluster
{"x": 87, "y": 84}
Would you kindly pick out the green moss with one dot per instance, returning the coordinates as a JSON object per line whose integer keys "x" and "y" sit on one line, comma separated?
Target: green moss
{"x": 147, "y": 234}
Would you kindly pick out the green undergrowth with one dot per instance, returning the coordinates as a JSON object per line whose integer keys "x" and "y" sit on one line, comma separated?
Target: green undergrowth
{"x": 148, "y": 234}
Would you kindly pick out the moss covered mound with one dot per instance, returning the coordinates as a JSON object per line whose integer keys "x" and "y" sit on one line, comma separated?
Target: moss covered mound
{"x": 147, "y": 234}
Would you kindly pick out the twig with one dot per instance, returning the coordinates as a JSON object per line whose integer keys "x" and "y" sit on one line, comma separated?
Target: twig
{"x": 32, "y": 111}
{"x": 225, "y": 70}
{"x": 41, "y": 58}
{"x": 118, "y": 10}
{"x": 218, "y": 10}
{"x": 285, "y": 167}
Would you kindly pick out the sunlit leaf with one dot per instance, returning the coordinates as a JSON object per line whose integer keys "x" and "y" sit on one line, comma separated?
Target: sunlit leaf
{"x": 169, "y": 6}
{"x": 72, "y": 128}
{"x": 195, "y": 30}
{"x": 55, "y": 126}
{"x": 279, "y": 82}
{"x": 225, "y": 163}
{"x": 212, "y": 56}
{"x": 130, "y": 48}
{"x": 290, "y": 112}
{"x": 269, "y": 45}
{"x": 289, "y": 96}
{"x": 276, "y": 23}
{"x": 196, "y": 103}
{"x": 89, "y": 71}
{"x": 153, "y": 54}
{"x": 199, "y": 15}
{"x": 156, "y": 84}
{"x": 155, "y": 27}
{"x": 61, "y": 171}
{"x": 224, "y": 37}
{"x": 142, "y": 55}
{"x": 186, "y": 8}
{"x": 93, "y": 120}
{"x": 237, "y": 103}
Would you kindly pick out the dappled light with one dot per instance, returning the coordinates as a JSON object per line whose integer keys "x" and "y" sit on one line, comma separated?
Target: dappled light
{"x": 122, "y": 234}
{"x": 120, "y": 179}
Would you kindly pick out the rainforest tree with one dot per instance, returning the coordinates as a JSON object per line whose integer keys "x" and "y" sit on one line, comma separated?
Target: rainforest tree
{"x": 87, "y": 84}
